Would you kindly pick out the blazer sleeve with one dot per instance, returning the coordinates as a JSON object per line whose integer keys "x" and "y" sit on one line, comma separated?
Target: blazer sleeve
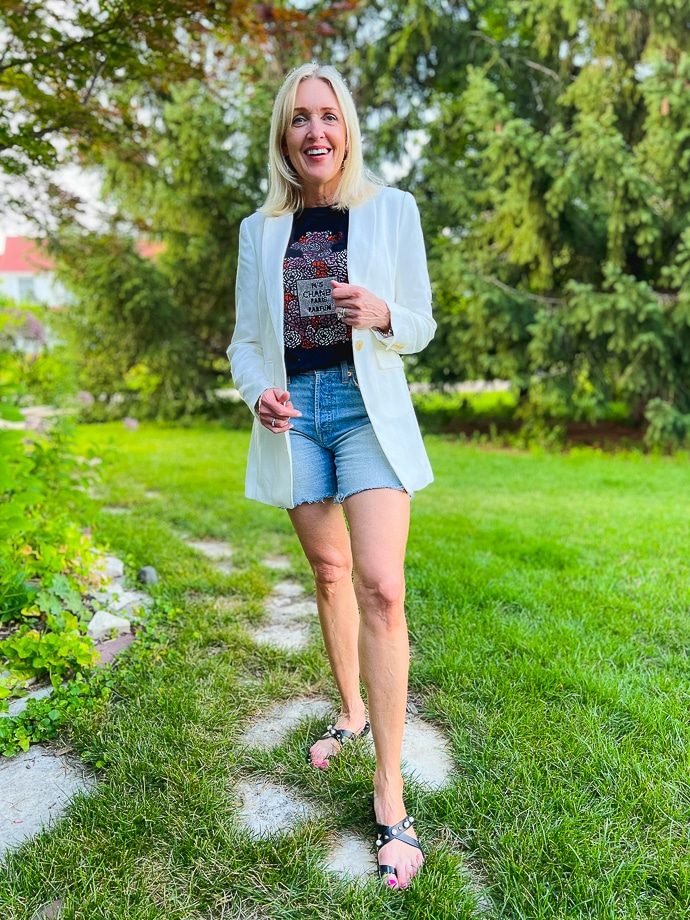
{"x": 411, "y": 320}
{"x": 246, "y": 352}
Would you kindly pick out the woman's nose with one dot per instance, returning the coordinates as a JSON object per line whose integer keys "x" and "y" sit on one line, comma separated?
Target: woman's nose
{"x": 315, "y": 128}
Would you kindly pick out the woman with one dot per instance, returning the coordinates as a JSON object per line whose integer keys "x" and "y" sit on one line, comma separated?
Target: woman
{"x": 332, "y": 287}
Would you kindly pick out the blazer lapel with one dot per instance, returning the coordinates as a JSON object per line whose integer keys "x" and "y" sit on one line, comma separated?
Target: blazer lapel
{"x": 275, "y": 239}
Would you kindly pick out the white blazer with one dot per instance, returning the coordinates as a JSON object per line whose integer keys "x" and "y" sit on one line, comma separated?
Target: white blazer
{"x": 385, "y": 254}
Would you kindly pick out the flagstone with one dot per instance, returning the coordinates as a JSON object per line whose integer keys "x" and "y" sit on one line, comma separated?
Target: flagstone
{"x": 271, "y": 729}
{"x": 351, "y": 858}
{"x": 268, "y": 808}
{"x": 212, "y": 549}
{"x": 35, "y": 788}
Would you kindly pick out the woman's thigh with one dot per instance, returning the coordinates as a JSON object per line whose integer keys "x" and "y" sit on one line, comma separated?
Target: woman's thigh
{"x": 379, "y": 522}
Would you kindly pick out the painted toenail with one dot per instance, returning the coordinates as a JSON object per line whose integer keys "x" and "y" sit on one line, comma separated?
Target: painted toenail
{"x": 392, "y": 882}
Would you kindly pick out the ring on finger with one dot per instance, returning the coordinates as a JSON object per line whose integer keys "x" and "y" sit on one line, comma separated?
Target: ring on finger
{"x": 273, "y": 423}
{"x": 341, "y": 314}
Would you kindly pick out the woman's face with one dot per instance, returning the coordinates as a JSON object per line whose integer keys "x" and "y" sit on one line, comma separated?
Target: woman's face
{"x": 316, "y": 141}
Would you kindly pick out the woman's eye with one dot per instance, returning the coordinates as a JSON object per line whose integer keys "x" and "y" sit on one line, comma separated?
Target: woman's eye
{"x": 331, "y": 117}
{"x": 298, "y": 120}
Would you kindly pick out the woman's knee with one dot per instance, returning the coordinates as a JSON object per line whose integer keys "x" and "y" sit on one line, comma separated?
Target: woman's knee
{"x": 330, "y": 573}
{"x": 382, "y": 598}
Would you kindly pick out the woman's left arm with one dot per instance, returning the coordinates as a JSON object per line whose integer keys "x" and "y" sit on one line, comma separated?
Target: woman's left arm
{"x": 404, "y": 324}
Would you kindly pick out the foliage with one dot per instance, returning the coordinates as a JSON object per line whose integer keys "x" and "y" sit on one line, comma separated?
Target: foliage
{"x": 48, "y": 558}
{"x": 150, "y": 331}
{"x": 553, "y": 182}
{"x": 62, "y": 65}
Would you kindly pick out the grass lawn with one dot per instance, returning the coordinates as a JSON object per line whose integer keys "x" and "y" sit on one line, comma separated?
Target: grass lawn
{"x": 549, "y": 613}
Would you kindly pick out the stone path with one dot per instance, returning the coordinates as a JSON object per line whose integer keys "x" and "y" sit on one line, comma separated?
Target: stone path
{"x": 37, "y": 786}
{"x": 266, "y": 806}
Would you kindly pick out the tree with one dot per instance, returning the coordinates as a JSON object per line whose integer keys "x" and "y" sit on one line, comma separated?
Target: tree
{"x": 156, "y": 333}
{"x": 555, "y": 191}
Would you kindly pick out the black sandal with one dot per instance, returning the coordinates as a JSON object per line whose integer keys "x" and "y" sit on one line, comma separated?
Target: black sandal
{"x": 386, "y": 833}
{"x": 341, "y": 735}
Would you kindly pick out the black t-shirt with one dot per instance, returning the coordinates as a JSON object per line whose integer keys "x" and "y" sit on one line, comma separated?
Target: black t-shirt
{"x": 313, "y": 335}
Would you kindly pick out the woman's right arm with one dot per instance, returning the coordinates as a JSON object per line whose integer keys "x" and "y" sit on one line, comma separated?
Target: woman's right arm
{"x": 246, "y": 351}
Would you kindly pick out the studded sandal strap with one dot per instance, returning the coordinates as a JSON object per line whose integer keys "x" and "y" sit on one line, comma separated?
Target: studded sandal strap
{"x": 387, "y": 832}
{"x": 343, "y": 735}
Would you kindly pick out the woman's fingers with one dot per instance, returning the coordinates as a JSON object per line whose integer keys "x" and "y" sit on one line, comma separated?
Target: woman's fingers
{"x": 358, "y": 307}
{"x": 276, "y": 410}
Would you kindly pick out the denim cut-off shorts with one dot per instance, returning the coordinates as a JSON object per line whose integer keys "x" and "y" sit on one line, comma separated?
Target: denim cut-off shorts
{"x": 335, "y": 452}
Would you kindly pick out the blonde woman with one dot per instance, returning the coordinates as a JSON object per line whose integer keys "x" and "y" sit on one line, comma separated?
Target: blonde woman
{"x": 332, "y": 288}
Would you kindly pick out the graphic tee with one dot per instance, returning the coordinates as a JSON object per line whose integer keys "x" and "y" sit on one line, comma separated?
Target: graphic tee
{"x": 313, "y": 335}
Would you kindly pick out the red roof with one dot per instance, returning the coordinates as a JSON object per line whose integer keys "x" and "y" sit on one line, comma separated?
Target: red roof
{"x": 23, "y": 255}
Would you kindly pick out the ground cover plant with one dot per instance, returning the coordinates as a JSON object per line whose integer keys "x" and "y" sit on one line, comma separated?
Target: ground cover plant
{"x": 549, "y": 615}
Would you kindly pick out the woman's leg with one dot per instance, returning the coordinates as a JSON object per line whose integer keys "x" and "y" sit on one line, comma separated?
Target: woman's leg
{"x": 323, "y": 534}
{"x": 379, "y": 524}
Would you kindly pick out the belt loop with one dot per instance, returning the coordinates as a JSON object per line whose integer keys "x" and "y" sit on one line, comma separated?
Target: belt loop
{"x": 344, "y": 371}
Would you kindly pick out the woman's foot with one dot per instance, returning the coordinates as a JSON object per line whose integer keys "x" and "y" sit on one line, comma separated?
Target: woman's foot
{"x": 329, "y": 744}
{"x": 405, "y": 859}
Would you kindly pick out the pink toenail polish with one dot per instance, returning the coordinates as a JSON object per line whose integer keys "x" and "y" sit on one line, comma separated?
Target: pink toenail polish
{"x": 392, "y": 882}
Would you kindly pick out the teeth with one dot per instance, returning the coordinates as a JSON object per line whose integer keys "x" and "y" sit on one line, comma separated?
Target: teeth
{"x": 316, "y": 151}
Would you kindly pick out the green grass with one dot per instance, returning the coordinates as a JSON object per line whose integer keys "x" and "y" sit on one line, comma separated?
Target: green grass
{"x": 549, "y": 611}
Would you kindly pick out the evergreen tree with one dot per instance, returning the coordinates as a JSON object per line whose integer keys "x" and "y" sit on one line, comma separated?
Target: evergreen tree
{"x": 555, "y": 190}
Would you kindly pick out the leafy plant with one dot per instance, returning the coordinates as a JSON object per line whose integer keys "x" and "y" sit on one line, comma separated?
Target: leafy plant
{"x": 59, "y": 648}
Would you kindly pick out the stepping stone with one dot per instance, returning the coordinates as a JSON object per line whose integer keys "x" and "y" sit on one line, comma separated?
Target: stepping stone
{"x": 18, "y": 706}
{"x": 287, "y": 589}
{"x": 35, "y": 788}
{"x": 227, "y": 568}
{"x": 425, "y": 754}
{"x": 290, "y": 619}
{"x": 270, "y": 809}
{"x": 351, "y": 858}
{"x": 277, "y": 562}
{"x": 478, "y": 883}
{"x": 111, "y": 648}
{"x": 50, "y": 911}
{"x": 279, "y": 721}
{"x": 212, "y": 549}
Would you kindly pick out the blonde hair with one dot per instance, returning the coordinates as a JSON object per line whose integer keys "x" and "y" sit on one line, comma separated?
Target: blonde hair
{"x": 356, "y": 185}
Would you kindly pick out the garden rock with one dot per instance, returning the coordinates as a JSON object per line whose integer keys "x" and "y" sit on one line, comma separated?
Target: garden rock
{"x": 271, "y": 730}
{"x": 35, "y": 788}
{"x": 270, "y": 809}
{"x": 114, "y": 567}
{"x": 147, "y": 575}
{"x": 103, "y": 623}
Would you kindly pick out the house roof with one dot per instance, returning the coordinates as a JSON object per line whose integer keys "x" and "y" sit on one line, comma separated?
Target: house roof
{"x": 19, "y": 254}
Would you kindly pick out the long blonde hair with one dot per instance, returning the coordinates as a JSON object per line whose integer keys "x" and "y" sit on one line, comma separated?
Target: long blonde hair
{"x": 356, "y": 185}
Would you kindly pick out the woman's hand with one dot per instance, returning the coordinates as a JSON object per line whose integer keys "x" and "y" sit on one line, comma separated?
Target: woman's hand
{"x": 275, "y": 410}
{"x": 358, "y": 307}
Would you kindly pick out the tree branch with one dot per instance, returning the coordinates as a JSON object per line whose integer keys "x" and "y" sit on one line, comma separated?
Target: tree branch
{"x": 538, "y": 298}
